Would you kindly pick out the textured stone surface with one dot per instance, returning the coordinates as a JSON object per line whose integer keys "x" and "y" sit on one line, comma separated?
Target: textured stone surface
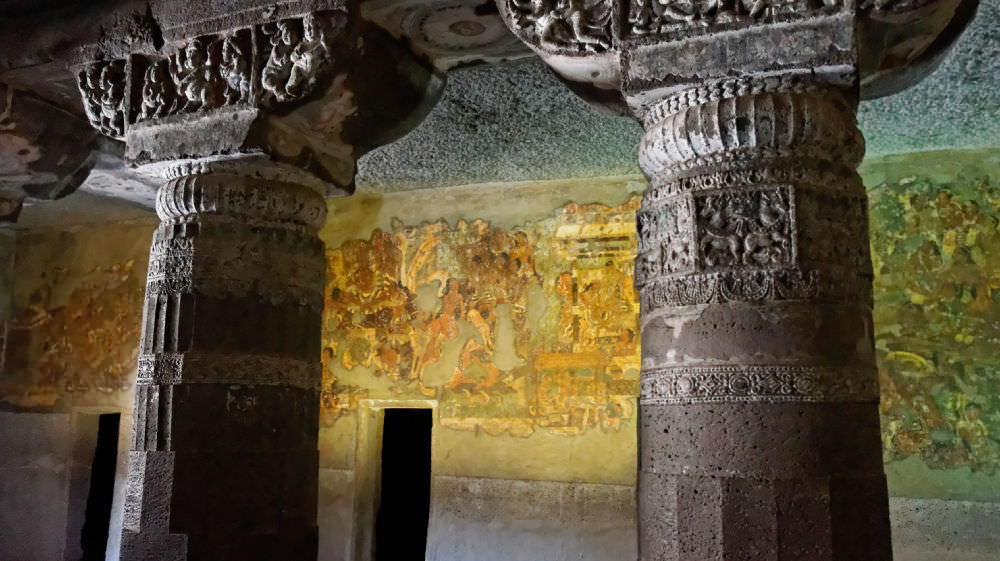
{"x": 956, "y": 107}
{"x": 507, "y": 122}
{"x": 759, "y": 435}
{"x": 226, "y": 344}
{"x": 477, "y": 519}
{"x": 34, "y": 469}
{"x": 931, "y": 530}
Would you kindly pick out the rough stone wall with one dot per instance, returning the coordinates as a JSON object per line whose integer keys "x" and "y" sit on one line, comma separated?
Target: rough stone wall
{"x": 507, "y": 308}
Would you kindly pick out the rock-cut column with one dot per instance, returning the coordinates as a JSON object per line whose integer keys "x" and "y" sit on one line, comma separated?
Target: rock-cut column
{"x": 759, "y": 433}
{"x": 223, "y": 462}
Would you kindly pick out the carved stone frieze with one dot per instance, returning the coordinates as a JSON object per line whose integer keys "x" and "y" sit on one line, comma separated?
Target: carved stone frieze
{"x": 103, "y": 86}
{"x": 753, "y": 286}
{"x": 171, "y": 262}
{"x": 675, "y": 17}
{"x": 715, "y": 384}
{"x": 566, "y": 26}
{"x": 257, "y": 66}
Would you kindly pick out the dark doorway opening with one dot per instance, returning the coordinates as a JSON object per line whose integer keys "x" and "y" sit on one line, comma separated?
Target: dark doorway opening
{"x": 94, "y": 537}
{"x": 405, "y": 498}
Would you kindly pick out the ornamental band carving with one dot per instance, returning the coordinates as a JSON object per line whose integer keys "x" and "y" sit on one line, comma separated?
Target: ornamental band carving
{"x": 258, "y": 66}
{"x": 714, "y": 384}
{"x": 570, "y": 26}
{"x": 675, "y": 17}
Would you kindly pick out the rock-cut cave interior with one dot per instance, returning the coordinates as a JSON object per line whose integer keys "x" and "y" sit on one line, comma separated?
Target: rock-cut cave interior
{"x": 494, "y": 280}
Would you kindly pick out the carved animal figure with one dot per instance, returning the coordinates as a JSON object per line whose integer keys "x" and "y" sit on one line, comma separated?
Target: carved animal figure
{"x": 768, "y": 244}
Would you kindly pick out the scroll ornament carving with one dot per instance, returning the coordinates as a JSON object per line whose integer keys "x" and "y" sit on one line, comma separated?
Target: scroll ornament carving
{"x": 102, "y": 86}
{"x": 648, "y": 17}
{"x": 707, "y": 384}
{"x": 573, "y": 26}
{"x": 754, "y": 286}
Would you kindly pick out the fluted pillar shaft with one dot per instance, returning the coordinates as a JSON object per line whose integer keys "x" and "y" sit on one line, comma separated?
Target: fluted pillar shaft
{"x": 223, "y": 462}
{"x": 759, "y": 436}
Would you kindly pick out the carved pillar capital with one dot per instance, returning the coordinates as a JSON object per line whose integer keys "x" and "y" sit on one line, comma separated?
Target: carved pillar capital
{"x": 292, "y": 91}
{"x": 647, "y": 48}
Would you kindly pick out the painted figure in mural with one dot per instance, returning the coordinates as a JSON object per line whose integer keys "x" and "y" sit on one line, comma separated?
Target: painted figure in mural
{"x": 443, "y": 311}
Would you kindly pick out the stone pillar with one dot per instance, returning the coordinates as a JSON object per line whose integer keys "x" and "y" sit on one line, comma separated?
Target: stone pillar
{"x": 759, "y": 433}
{"x": 253, "y": 118}
{"x": 223, "y": 462}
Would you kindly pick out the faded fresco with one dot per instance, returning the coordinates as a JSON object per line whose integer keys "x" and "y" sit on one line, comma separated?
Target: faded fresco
{"x": 73, "y": 333}
{"x": 936, "y": 252}
{"x": 522, "y": 326}
{"x": 512, "y": 330}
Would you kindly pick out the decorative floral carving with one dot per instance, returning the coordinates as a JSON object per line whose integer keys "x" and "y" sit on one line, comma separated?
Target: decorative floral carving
{"x": 754, "y": 286}
{"x": 103, "y": 88}
{"x": 701, "y": 384}
{"x": 563, "y": 25}
{"x": 665, "y": 16}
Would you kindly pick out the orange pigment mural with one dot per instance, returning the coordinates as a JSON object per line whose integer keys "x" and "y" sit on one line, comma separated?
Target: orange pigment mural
{"x": 512, "y": 330}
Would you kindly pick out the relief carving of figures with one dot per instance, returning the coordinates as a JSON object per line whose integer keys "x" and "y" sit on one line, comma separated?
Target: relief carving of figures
{"x": 297, "y": 59}
{"x": 750, "y": 229}
{"x": 235, "y": 71}
{"x": 195, "y": 75}
{"x": 656, "y": 16}
{"x": 103, "y": 89}
{"x": 565, "y": 24}
{"x": 158, "y": 91}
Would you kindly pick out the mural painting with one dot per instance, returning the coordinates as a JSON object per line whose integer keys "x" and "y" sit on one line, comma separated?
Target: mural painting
{"x": 75, "y": 339}
{"x": 936, "y": 253}
{"x": 520, "y": 329}
{"x": 512, "y": 330}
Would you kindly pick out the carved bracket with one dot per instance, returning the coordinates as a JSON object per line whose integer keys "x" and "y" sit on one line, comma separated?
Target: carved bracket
{"x": 261, "y": 66}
